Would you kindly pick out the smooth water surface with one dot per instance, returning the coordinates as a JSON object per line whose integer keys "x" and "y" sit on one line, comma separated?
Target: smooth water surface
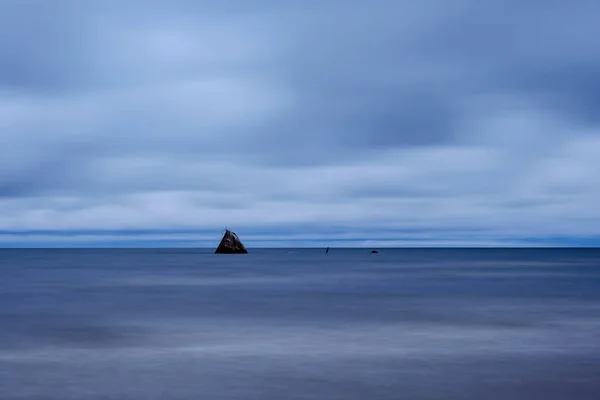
{"x": 300, "y": 324}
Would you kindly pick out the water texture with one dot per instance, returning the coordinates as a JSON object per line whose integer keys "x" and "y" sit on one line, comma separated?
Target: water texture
{"x": 300, "y": 324}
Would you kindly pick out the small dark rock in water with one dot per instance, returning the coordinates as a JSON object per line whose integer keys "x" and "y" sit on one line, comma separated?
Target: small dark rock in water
{"x": 230, "y": 244}
{"x": 374, "y": 251}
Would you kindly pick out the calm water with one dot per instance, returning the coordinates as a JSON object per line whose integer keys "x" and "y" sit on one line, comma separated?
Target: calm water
{"x": 300, "y": 324}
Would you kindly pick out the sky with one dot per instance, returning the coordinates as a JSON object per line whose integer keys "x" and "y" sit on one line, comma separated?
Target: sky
{"x": 295, "y": 123}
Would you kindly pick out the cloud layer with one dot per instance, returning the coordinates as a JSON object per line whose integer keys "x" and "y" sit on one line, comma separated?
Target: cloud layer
{"x": 455, "y": 123}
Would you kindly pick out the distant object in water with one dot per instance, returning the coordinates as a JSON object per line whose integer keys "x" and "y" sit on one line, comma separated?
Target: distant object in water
{"x": 230, "y": 244}
{"x": 327, "y": 250}
{"x": 374, "y": 251}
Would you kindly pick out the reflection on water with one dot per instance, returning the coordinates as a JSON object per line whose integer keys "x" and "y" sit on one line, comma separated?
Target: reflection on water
{"x": 183, "y": 324}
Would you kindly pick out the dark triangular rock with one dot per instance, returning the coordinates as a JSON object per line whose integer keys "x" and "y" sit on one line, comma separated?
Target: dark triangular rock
{"x": 230, "y": 244}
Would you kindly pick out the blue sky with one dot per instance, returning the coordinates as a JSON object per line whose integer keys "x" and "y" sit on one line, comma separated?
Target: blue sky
{"x": 361, "y": 123}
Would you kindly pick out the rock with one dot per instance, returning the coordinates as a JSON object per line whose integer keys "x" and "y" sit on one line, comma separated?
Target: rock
{"x": 230, "y": 244}
{"x": 374, "y": 251}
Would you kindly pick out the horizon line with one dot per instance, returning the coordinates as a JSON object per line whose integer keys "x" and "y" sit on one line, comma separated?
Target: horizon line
{"x": 296, "y": 248}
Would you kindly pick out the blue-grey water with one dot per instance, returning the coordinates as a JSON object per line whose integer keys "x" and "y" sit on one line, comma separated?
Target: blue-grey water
{"x": 300, "y": 324}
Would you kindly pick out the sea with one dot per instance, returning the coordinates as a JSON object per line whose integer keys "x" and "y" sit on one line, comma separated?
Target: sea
{"x": 276, "y": 324}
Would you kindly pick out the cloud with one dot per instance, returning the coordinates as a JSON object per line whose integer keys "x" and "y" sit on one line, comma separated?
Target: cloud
{"x": 461, "y": 119}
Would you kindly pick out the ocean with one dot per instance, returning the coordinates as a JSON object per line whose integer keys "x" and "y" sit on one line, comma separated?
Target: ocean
{"x": 300, "y": 324}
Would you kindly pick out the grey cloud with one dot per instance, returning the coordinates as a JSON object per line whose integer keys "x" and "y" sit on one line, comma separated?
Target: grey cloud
{"x": 545, "y": 52}
{"x": 318, "y": 112}
{"x": 43, "y": 48}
